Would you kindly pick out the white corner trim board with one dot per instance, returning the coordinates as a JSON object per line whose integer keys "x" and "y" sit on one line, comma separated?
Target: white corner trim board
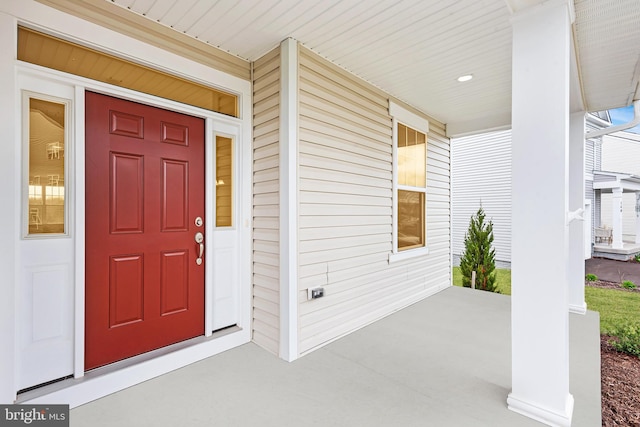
{"x": 288, "y": 200}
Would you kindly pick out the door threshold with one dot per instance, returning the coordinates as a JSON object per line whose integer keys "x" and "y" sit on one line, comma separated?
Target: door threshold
{"x": 154, "y": 354}
{"x": 117, "y": 376}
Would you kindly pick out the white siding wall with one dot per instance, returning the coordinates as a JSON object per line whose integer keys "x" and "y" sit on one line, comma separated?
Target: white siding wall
{"x": 481, "y": 173}
{"x": 593, "y": 162}
{"x": 589, "y": 193}
{"x": 345, "y": 212}
{"x": 621, "y": 154}
{"x": 266, "y": 278}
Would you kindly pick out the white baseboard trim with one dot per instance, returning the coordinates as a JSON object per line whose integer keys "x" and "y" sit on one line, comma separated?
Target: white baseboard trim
{"x": 544, "y": 415}
{"x": 578, "y": 309}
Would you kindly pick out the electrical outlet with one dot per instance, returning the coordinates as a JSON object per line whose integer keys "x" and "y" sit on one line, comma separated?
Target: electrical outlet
{"x": 313, "y": 293}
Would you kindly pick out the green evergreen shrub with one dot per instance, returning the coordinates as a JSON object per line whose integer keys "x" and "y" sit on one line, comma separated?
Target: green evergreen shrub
{"x": 628, "y": 284}
{"x": 628, "y": 340}
{"x": 591, "y": 277}
{"x": 479, "y": 256}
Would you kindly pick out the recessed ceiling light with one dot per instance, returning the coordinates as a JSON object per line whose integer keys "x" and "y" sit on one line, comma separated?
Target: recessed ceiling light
{"x": 465, "y": 78}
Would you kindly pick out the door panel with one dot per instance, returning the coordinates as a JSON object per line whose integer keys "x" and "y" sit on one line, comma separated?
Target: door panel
{"x": 126, "y": 290}
{"x": 144, "y": 188}
{"x": 126, "y": 192}
{"x": 174, "y": 282}
{"x": 175, "y": 201}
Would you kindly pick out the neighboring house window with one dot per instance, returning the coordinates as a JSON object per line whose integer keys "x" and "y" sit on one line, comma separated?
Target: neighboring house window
{"x": 409, "y": 183}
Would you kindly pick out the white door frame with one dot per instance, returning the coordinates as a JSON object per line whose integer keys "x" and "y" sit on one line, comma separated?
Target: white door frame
{"x": 100, "y": 385}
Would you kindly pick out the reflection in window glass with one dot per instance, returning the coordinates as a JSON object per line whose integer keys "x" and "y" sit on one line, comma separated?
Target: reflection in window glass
{"x": 412, "y": 150}
{"x": 46, "y": 167}
{"x": 224, "y": 182}
{"x": 410, "y": 219}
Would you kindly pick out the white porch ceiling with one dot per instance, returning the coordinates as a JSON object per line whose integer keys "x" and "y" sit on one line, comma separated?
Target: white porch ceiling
{"x": 416, "y": 49}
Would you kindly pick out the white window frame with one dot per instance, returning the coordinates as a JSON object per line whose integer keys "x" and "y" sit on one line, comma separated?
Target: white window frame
{"x": 403, "y": 116}
{"x": 51, "y": 94}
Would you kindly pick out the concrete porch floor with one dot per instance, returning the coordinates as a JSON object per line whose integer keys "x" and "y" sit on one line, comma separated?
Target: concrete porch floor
{"x": 445, "y": 361}
{"x": 628, "y": 250}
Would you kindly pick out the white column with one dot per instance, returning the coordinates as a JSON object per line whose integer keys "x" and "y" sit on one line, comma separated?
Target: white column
{"x": 288, "y": 200}
{"x": 540, "y": 235}
{"x": 637, "y": 218}
{"x": 616, "y": 217}
{"x": 576, "y": 206}
{"x": 9, "y": 229}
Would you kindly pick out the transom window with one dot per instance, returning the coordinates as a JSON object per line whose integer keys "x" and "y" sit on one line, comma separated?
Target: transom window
{"x": 47, "y": 51}
{"x": 410, "y": 181}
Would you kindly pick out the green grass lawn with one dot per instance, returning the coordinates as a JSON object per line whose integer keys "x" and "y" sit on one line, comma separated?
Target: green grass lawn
{"x": 616, "y": 308}
{"x": 503, "y": 279}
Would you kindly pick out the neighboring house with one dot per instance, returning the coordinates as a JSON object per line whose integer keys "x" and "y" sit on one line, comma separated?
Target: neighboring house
{"x": 481, "y": 174}
{"x": 621, "y": 154}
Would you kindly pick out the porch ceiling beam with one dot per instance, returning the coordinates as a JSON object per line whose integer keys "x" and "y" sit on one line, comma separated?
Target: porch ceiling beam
{"x": 627, "y": 186}
{"x": 488, "y": 123}
{"x": 630, "y": 187}
{"x": 606, "y": 185}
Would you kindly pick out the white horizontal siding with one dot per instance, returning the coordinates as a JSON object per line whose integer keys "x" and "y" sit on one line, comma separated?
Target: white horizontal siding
{"x": 597, "y": 206}
{"x": 266, "y": 265}
{"x": 481, "y": 174}
{"x": 589, "y": 167}
{"x": 589, "y": 156}
{"x": 345, "y": 207}
{"x": 621, "y": 154}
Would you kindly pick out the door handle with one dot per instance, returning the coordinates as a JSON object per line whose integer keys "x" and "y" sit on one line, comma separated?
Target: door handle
{"x": 199, "y": 238}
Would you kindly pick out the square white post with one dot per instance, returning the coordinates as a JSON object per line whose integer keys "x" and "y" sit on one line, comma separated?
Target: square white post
{"x": 540, "y": 234}
{"x": 577, "y": 207}
{"x": 616, "y": 217}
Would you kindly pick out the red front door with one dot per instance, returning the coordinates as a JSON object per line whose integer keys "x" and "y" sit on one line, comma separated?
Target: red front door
{"x": 144, "y": 190}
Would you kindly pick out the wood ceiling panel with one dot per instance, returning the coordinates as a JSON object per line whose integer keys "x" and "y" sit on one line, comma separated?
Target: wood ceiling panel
{"x": 46, "y": 51}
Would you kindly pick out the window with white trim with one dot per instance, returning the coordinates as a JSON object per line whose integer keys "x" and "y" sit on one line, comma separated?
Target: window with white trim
{"x": 409, "y": 182}
{"x": 46, "y": 140}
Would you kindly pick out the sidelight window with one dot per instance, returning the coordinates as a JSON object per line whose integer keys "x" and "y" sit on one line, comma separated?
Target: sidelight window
{"x": 224, "y": 181}
{"x": 46, "y": 126}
